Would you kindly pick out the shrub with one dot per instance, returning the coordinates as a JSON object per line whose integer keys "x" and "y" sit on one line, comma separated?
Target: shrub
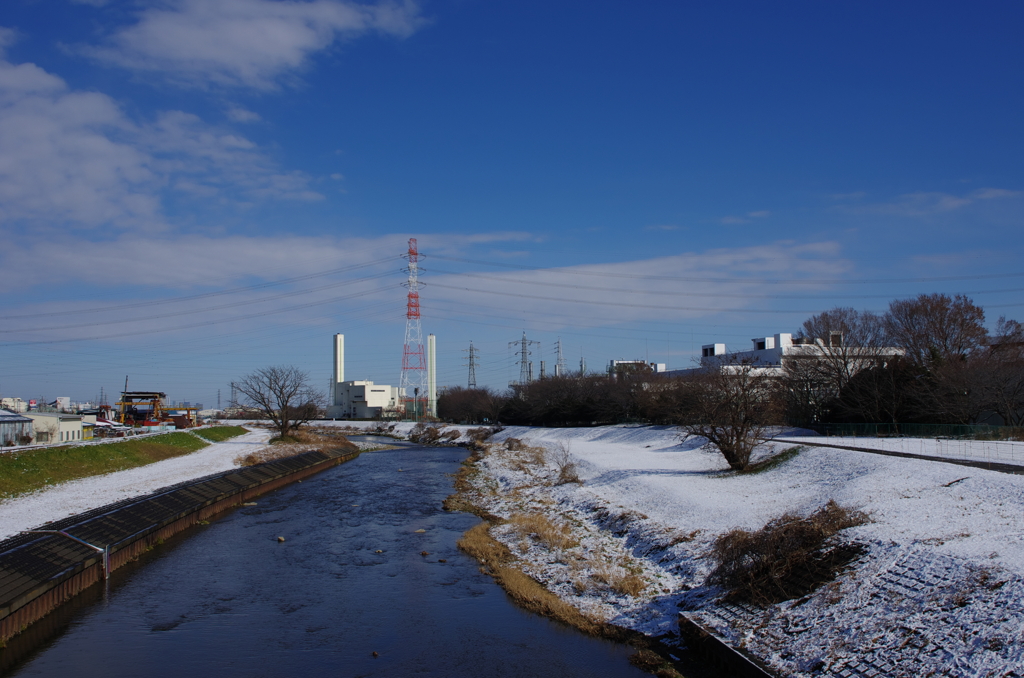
{"x": 778, "y": 561}
{"x": 568, "y": 472}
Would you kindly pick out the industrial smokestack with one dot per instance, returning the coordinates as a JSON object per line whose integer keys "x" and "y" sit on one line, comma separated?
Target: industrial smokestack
{"x": 431, "y": 376}
{"x": 339, "y": 366}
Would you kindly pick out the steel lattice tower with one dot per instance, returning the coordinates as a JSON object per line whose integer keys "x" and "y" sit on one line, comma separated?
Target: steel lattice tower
{"x": 473, "y": 353}
{"x": 413, "y": 383}
{"x": 560, "y": 370}
{"x": 524, "y": 357}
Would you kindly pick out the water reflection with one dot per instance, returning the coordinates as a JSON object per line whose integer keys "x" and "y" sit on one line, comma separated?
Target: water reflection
{"x": 354, "y": 576}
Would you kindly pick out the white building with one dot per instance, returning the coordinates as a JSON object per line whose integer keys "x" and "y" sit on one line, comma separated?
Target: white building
{"x": 57, "y": 427}
{"x": 357, "y": 399}
{"x": 617, "y": 367}
{"x": 14, "y": 404}
{"x": 773, "y": 355}
{"x": 362, "y": 400}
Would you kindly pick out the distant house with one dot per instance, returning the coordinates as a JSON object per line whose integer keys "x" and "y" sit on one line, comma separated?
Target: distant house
{"x": 15, "y": 429}
{"x": 56, "y": 427}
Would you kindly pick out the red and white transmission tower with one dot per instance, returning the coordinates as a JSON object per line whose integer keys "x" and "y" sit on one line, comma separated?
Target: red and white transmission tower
{"x": 413, "y": 383}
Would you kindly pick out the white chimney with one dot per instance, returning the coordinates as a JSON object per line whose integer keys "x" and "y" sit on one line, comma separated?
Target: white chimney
{"x": 339, "y": 366}
{"x": 431, "y": 376}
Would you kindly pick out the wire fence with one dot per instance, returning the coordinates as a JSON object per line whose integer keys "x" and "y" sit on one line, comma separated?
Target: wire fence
{"x": 974, "y": 442}
{"x": 958, "y": 431}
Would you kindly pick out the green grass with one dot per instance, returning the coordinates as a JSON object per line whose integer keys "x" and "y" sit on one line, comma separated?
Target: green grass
{"x": 22, "y": 472}
{"x": 218, "y": 434}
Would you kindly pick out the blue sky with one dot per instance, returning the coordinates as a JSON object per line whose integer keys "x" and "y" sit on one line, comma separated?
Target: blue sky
{"x": 192, "y": 189}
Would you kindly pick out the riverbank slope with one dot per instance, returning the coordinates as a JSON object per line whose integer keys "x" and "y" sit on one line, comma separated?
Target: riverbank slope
{"x": 937, "y": 590}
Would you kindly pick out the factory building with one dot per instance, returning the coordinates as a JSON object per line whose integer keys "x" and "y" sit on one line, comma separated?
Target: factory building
{"x": 358, "y": 399}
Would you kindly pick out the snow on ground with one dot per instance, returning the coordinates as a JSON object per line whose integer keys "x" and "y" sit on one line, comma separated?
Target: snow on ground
{"x": 32, "y": 510}
{"x": 940, "y": 588}
{"x": 1001, "y": 451}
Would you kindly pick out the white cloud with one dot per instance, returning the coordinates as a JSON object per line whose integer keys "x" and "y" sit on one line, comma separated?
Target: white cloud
{"x": 733, "y": 220}
{"x": 760, "y": 214}
{"x": 990, "y": 193}
{"x": 71, "y": 158}
{"x": 925, "y": 203}
{"x": 246, "y": 43}
{"x": 662, "y": 227}
{"x": 239, "y": 114}
{"x": 8, "y": 36}
{"x": 648, "y": 289}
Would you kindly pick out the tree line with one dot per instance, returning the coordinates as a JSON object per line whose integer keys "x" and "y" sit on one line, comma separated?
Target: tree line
{"x": 948, "y": 369}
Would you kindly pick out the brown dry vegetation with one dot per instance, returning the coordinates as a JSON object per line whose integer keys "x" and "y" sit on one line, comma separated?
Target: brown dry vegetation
{"x": 776, "y": 562}
{"x": 552, "y": 535}
{"x": 304, "y": 441}
{"x": 497, "y": 561}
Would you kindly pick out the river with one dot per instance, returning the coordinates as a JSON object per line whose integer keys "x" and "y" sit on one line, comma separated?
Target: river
{"x": 368, "y": 565}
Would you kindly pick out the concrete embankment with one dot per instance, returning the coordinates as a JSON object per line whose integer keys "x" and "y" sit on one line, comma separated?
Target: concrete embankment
{"x": 40, "y": 571}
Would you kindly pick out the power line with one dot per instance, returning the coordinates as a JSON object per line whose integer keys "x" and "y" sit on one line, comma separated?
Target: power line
{"x": 205, "y": 295}
{"x": 684, "y": 293}
{"x": 761, "y": 281}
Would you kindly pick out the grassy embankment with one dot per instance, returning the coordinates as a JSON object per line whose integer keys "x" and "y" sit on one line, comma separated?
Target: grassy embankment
{"x": 29, "y": 470}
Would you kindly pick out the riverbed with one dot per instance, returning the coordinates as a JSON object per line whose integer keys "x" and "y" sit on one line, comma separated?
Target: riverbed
{"x": 367, "y": 581}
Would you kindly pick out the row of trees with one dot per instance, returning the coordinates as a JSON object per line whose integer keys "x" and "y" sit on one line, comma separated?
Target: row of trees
{"x": 947, "y": 368}
{"x": 952, "y": 370}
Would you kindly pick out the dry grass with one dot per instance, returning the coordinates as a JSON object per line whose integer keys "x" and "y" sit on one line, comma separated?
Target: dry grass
{"x": 568, "y": 472}
{"x": 537, "y": 525}
{"x": 619, "y": 579}
{"x": 304, "y": 441}
{"x": 498, "y": 561}
{"x": 774, "y": 563}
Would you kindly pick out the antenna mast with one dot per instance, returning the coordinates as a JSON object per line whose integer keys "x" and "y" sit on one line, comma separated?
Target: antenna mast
{"x": 413, "y": 384}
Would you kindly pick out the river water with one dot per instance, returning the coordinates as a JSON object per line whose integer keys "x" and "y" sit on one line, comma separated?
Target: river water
{"x": 350, "y": 579}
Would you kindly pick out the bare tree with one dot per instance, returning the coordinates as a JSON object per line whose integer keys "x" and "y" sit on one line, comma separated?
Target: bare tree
{"x": 844, "y": 342}
{"x": 1002, "y": 372}
{"x": 733, "y": 407}
{"x": 284, "y": 395}
{"x": 935, "y": 328}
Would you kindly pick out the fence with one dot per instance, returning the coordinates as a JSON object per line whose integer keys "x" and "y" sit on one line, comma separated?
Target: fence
{"x": 969, "y": 442}
{"x": 947, "y": 431}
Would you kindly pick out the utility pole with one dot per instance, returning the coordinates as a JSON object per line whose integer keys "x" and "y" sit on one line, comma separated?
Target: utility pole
{"x": 473, "y": 353}
{"x": 525, "y": 369}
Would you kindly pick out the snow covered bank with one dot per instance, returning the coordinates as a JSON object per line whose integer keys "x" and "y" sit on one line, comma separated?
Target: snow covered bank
{"x": 940, "y": 588}
{"x": 998, "y": 451}
{"x": 31, "y": 510}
